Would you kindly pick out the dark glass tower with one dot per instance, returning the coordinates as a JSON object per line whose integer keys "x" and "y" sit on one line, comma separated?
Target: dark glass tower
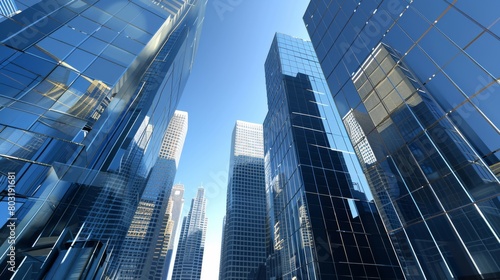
{"x": 416, "y": 84}
{"x": 244, "y": 240}
{"x": 321, "y": 223}
{"x": 87, "y": 89}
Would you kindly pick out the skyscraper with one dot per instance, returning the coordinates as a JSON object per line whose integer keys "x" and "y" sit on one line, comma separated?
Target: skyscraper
{"x": 189, "y": 255}
{"x": 244, "y": 240}
{"x": 77, "y": 125}
{"x": 415, "y": 83}
{"x": 145, "y": 247}
{"x": 172, "y": 232}
{"x": 322, "y": 224}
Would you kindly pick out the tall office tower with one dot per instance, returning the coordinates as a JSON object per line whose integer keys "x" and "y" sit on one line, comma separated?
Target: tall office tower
{"x": 189, "y": 255}
{"x": 8, "y": 8}
{"x": 145, "y": 247}
{"x": 416, "y": 83}
{"x": 244, "y": 239}
{"x": 322, "y": 222}
{"x": 172, "y": 231}
{"x": 87, "y": 89}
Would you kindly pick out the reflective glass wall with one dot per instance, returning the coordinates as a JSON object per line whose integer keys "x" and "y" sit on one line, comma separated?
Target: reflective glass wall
{"x": 416, "y": 84}
{"x": 145, "y": 247}
{"x": 77, "y": 81}
{"x": 322, "y": 223}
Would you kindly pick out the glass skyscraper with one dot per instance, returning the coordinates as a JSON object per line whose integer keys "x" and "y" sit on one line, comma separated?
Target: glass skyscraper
{"x": 77, "y": 127}
{"x": 322, "y": 223}
{"x": 144, "y": 251}
{"x": 244, "y": 239}
{"x": 417, "y": 86}
{"x": 189, "y": 255}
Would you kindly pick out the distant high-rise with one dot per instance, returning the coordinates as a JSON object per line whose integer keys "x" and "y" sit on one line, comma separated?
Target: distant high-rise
{"x": 244, "y": 240}
{"x": 87, "y": 89}
{"x": 417, "y": 86}
{"x": 189, "y": 255}
{"x": 321, "y": 223}
{"x": 144, "y": 251}
{"x": 172, "y": 231}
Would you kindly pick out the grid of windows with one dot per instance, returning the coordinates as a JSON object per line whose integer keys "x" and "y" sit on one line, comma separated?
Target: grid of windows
{"x": 321, "y": 223}
{"x": 143, "y": 253}
{"x": 244, "y": 241}
{"x": 415, "y": 83}
{"x": 77, "y": 83}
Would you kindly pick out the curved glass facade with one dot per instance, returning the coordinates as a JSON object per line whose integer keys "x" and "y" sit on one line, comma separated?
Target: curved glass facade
{"x": 322, "y": 222}
{"x": 87, "y": 89}
{"x": 415, "y": 83}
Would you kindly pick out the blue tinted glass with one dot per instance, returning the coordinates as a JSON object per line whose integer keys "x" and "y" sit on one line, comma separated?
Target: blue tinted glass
{"x": 467, "y": 81}
{"x": 487, "y": 101}
{"x": 84, "y": 25}
{"x": 55, "y": 48}
{"x": 105, "y": 70}
{"x": 96, "y": 15}
{"x": 117, "y": 55}
{"x": 93, "y": 45}
{"x": 16, "y": 118}
{"x": 105, "y": 34}
{"x": 461, "y": 36}
{"x": 80, "y": 59}
{"x": 128, "y": 44}
{"x": 438, "y": 46}
{"x": 69, "y": 35}
{"x": 136, "y": 34}
{"x": 476, "y": 50}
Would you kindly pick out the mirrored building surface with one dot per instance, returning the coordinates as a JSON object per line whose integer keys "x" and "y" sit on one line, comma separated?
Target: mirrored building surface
{"x": 415, "y": 83}
{"x": 87, "y": 89}
{"x": 144, "y": 251}
{"x": 244, "y": 239}
{"x": 322, "y": 223}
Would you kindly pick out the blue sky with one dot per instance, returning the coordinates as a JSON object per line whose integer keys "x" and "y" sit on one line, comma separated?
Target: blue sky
{"x": 228, "y": 84}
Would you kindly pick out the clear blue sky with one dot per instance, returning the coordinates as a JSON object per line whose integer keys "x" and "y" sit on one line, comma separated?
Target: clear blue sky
{"x": 228, "y": 84}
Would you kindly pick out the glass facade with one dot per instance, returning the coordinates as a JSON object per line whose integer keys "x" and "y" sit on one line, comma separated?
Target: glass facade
{"x": 8, "y": 8}
{"x": 77, "y": 127}
{"x": 322, "y": 223}
{"x": 244, "y": 240}
{"x": 189, "y": 255}
{"x": 416, "y": 84}
{"x": 144, "y": 250}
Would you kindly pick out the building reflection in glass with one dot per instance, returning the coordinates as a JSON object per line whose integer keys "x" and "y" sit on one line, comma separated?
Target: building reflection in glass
{"x": 86, "y": 92}
{"x": 416, "y": 95}
{"x": 321, "y": 223}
